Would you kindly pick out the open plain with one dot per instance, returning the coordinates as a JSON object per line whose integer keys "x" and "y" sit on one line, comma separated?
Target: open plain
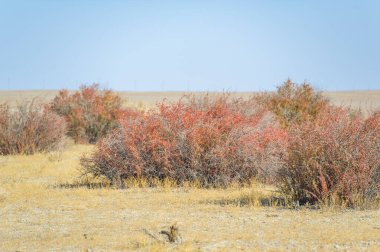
{"x": 365, "y": 100}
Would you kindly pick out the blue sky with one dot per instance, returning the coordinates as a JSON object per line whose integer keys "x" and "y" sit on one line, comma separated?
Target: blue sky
{"x": 189, "y": 45}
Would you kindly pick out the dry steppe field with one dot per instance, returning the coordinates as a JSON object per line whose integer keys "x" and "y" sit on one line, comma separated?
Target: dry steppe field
{"x": 365, "y": 100}
{"x": 45, "y": 206}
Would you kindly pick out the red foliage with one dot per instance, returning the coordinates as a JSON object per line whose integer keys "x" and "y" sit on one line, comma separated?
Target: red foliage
{"x": 213, "y": 141}
{"x": 90, "y": 113}
{"x": 337, "y": 155}
{"x": 29, "y": 128}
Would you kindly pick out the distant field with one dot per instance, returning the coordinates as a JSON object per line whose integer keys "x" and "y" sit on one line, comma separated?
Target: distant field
{"x": 365, "y": 100}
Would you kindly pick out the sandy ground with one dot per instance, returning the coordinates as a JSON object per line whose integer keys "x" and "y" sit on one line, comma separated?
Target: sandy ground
{"x": 38, "y": 213}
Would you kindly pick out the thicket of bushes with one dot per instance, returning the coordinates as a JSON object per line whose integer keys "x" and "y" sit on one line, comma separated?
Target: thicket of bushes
{"x": 90, "y": 113}
{"x": 321, "y": 153}
{"x": 29, "y": 128}
{"x": 214, "y": 141}
{"x": 333, "y": 153}
{"x": 335, "y": 158}
{"x": 294, "y": 138}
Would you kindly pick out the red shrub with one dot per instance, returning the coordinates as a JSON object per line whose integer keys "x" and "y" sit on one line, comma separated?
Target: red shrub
{"x": 213, "y": 141}
{"x": 90, "y": 112}
{"x": 29, "y": 128}
{"x": 337, "y": 156}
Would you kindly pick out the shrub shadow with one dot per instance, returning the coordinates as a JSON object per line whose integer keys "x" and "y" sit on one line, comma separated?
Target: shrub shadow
{"x": 88, "y": 185}
{"x": 262, "y": 201}
{"x": 247, "y": 200}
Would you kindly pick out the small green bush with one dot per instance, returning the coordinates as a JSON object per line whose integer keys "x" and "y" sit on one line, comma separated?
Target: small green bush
{"x": 293, "y": 103}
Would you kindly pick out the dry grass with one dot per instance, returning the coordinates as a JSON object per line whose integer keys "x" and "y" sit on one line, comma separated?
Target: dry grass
{"x": 40, "y": 212}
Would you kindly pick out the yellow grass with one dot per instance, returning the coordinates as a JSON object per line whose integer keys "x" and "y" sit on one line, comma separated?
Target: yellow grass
{"x": 39, "y": 212}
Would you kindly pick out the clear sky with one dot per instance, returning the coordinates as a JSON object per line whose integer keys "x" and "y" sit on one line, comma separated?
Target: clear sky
{"x": 189, "y": 45}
